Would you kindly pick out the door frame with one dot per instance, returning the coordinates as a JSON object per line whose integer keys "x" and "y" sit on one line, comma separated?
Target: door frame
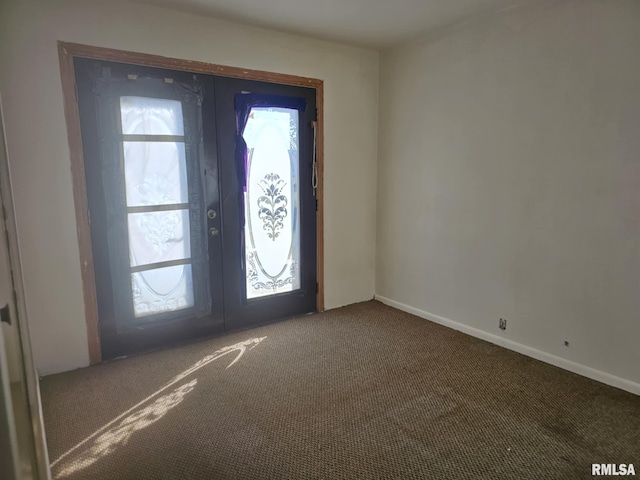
{"x": 67, "y": 52}
{"x": 31, "y": 405}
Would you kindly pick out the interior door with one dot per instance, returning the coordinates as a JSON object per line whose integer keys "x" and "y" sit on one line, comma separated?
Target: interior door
{"x": 201, "y": 202}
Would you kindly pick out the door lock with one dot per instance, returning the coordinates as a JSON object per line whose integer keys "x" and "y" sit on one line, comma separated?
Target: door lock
{"x": 214, "y": 232}
{"x": 212, "y": 214}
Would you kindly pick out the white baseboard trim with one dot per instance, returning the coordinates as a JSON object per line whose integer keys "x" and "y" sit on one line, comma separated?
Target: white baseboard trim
{"x": 563, "y": 363}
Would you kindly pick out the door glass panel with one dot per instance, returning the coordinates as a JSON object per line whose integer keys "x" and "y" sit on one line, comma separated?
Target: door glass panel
{"x": 155, "y": 173}
{"x": 151, "y": 116}
{"x": 162, "y": 290}
{"x": 159, "y": 236}
{"x": 272, "y": 236}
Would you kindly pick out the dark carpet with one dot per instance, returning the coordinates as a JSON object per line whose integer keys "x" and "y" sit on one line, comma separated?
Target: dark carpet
{"x": 360, "y": 392}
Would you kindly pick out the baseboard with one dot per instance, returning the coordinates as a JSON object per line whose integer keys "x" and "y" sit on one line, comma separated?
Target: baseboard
{"x": 554, "y": 360}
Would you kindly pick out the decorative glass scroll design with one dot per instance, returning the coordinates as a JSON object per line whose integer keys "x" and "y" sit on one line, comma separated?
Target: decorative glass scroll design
{"x": 155, "y": 171}
{"x": 151, "y": 116}
{"x": 271, "y": 202}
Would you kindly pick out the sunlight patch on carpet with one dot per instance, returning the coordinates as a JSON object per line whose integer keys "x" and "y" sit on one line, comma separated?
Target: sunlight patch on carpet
{"x": 117, "y": 432}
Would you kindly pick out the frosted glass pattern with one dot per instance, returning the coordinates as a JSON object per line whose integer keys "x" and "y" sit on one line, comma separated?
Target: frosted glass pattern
{"x": 272, "y": 237}
{"x": 151, "y": 116}
{"x": 155, "y": 173}
{"x": 159, "y": 237}
{"x": 162, "y": 290}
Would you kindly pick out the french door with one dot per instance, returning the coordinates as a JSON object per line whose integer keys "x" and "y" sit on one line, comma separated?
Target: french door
{"x": 201, "y": 202}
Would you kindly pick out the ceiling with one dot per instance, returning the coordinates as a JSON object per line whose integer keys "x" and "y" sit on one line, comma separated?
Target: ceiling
{"x": 366, "y": 23}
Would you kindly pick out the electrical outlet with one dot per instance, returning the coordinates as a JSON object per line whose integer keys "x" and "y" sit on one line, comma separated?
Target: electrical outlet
{"x": 503, "y": 324}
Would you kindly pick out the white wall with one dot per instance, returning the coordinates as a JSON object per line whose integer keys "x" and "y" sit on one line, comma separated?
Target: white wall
{"x": 509, "y": 182}
{"x": 39, "y": 154}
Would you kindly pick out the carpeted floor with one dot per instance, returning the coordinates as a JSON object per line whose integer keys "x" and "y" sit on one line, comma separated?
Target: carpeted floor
{"x": 361, "y": 392}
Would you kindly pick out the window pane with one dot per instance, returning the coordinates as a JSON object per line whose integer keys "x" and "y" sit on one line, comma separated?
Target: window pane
{"x": 155, "y": 173}
{"x": 151, "y": 116}
{"x": 272, "y": 246}
{"x": 162, "y": 290}
{"x": 159, "y": 236}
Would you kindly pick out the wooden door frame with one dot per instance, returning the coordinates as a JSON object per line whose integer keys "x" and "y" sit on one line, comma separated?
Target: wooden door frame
{"x": 67, "y": 52}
